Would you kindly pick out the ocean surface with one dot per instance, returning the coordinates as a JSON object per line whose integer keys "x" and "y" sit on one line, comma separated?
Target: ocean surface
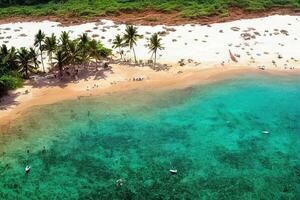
{"x": 234, "y": 139}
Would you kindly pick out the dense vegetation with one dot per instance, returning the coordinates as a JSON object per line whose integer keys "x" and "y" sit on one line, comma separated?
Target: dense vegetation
{"x": 10, "y": 78}
{"x": 21, "y": 2}
{"x": 187, "y": 8}
{"x": 19, "y": 64}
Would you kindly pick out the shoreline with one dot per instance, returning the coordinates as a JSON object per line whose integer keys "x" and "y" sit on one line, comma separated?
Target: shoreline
{"x": 120, "y": 80}
{"x": 150, "y": 17}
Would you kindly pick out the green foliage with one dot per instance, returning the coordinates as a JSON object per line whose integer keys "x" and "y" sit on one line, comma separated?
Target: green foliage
{"x": 9, "y": 82}
{"x": 154, "y": 45}
{"x": 25, "y": 62}
{"x": 39, "y": 40}
{"x": 21, "y": 2}
{"x": 118, "y": 43}
{"x": 103, "y": 51}
{"x": 61, "y": 59}
{"x": 87, "y": 8}
{"x": 50, "y": 45}
{"x": 9, "y": 78}
{"x": 131, "y": 37}
{"x": 16, "y": 64}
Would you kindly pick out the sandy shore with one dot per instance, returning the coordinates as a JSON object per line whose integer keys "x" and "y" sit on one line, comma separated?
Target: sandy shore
{"x": 118, "y": 79}
{"x": 268, "y": 41}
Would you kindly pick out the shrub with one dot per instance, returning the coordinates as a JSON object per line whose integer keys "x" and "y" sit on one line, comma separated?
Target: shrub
{"x": 103, "y": 51}
{"x": 9, "y": 82}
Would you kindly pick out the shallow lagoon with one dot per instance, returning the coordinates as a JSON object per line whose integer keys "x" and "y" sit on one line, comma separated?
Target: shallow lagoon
{"x": 212, "y": 134}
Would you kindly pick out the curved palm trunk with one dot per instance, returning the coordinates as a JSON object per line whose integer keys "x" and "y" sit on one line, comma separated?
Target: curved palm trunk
{"x": 36, "y": 63}
{"x": 26, "y": 73}
{"x": 151, "y": 57}
{"x": 50, "y": 58}
{"x": 134, "y": 55}
{"x": 120, "y": 53}
{"x": 154, "y": 58}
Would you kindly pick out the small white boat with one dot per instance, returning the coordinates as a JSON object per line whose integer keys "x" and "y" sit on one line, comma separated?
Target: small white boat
{"x": 27, "y": 169}
{"x": 173, "y": 171}
{"x": 265, "y": 132}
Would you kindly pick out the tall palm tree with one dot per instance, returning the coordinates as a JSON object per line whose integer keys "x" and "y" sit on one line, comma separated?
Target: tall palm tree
{"x": 61, "y": 59}
{"x": 154, "y": 45}
{"x": 38, "y": 42}
{"x": 130, "y": 37}
{"x": 25, "y": 62}
{"x": 34, "y": 56}
{"x": 50, "y": 46}
{"x": 118, "y": 43}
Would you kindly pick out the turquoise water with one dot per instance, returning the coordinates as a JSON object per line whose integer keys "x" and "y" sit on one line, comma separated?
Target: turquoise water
{"x": 212, "y": 134}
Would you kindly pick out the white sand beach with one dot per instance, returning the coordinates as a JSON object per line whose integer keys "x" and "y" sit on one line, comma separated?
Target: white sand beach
{"x": 269, "y": 41}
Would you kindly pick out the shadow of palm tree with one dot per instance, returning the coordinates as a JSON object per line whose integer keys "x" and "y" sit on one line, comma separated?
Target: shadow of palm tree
{"x": 52, "y": 80}
{"x": 84, "y": 73}
{"x": 8, "y": 100}
{"x": 101, "y": 74}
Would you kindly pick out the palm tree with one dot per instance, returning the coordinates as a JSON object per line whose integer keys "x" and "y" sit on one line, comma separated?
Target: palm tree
{"x": 118, "y": 43}
{"x": 65, "y": 40}
{"x": 84, "y": 40}
{"x": 34, "y": 56}
{"x": 3, "y": 50}
{"x": 84, "y": 45}
{"x": 130, "y": 37}
{"x": 3, "y": 59}
{"x": 93, "y": 50}
{"x": 102, "y": 51}
{"x": 50, "y": 46}
{"x": 11, "y": 59}
{"x": 25, "y": 62}
{"x": 61, "y": 60}
{"x": 74, "y": 53}
{"x": 38, "y": 42}
{"x": 154, "y": 45}
{"x": 3, "y": 69}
